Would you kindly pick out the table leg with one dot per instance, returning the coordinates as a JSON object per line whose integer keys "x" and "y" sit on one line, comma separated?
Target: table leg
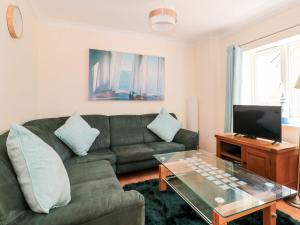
{"x": 269, "y": 215}
{"x": 162, "y": 175}
{"x": 218, "y": 220}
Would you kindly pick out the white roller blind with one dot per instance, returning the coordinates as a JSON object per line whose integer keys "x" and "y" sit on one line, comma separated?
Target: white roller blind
{"x": 270, "y": 75}
{"x": 292, "y": 73}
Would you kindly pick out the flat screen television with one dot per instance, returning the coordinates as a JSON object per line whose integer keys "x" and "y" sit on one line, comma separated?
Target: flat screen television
{"x": 257, "y": 121}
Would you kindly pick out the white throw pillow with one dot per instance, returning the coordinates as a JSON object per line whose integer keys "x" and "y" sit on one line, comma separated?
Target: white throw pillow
{"x": 40, "y": 171}
{"x": 165, "y": 126}
{"x": 77, "y": 134}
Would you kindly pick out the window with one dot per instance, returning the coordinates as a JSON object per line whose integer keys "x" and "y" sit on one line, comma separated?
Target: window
{"x": 269, "y": 77}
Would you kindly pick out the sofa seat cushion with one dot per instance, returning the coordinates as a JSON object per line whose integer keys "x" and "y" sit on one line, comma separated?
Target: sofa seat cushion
{"x": 101, "y": 154}
{"x": 91, "y": 201}
{"x": 166, "y": 147}
{"x": 133, "y": 153}
{"x": 85, "y": 172}
{"x": 136, "y": 166}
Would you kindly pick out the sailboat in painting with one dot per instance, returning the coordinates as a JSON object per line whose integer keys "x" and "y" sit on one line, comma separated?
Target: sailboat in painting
{"x": 125, "y": 76}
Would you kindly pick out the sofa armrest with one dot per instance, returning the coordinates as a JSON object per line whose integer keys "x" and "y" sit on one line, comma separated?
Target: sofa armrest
{"x": 129, "y": 205}
{"x": 188, "y": 138}
{"x": 127, "y": 199}
{"x": 111, "y": 208}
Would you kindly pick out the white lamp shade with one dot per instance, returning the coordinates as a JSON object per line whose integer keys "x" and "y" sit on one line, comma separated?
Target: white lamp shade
{"x": 162, "y": 23}
{"x": 162, "y": 19}
{"x": 297, "y": 85}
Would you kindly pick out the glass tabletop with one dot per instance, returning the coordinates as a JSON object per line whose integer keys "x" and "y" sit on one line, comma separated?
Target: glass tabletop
{"x": 224, "y": 186}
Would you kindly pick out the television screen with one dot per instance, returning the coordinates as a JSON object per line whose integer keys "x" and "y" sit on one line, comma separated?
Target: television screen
{"x": 257, "y": 121}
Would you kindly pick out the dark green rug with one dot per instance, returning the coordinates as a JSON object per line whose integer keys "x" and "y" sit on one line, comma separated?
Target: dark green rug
{"x": 167, "y": 208}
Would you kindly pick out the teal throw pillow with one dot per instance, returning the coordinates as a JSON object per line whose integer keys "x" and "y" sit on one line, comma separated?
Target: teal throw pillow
{"x": 165, "y": 126}
{"x": 40, "y": 171}
{"x": 77, "y": 134}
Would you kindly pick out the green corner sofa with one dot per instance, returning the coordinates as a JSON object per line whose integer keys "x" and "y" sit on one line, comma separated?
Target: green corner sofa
{"x": 124, "y": 145}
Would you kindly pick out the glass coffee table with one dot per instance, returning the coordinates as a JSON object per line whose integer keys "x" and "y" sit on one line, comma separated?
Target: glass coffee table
{"x": 218, "y": 190}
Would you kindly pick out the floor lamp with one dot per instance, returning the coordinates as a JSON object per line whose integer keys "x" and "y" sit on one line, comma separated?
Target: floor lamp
{"x": 295, "y": 200}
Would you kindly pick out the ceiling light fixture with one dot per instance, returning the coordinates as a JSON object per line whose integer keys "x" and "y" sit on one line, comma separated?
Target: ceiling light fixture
{"x": 163, "y": 19}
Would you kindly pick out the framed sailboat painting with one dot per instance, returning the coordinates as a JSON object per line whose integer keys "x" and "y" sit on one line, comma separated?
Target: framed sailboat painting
{"x": 125, "y": 76}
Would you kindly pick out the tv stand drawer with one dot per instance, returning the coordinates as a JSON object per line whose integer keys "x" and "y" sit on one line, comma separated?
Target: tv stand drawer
{"x": 258, "y": 162}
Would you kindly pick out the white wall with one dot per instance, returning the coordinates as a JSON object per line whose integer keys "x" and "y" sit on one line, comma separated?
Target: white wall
{"x": 18, "y": 77}
{"x": 207, "y": 54}
{"x": 63, "y": 70}
{"x": 210, "y": 46}
{"x": 45, "y": 73}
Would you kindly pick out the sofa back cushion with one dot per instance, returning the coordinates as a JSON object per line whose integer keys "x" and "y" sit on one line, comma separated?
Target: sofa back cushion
{"x": 126, "y": 130}
{"x": 101, "y": 123}
{"x": 46, "y": 129}
{"x": 149, "y": 136}
{"x": 48, "y": 126}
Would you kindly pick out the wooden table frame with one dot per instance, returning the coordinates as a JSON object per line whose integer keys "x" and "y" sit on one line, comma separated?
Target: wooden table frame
{"x": 269, "y": 209}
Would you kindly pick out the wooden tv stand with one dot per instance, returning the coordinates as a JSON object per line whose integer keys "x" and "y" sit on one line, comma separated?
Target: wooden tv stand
{"x": 278, "y": 162}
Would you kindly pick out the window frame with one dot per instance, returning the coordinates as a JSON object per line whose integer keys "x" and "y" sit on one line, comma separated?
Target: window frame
{"x": 284, "y": 50}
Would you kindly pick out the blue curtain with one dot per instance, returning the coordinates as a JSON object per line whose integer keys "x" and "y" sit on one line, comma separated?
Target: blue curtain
{"x": 233, "y": 83}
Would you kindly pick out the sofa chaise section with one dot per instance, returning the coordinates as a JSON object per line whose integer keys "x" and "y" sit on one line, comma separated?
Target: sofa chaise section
{"x": 97, "y": 198}
{"x": 92, "y": 203}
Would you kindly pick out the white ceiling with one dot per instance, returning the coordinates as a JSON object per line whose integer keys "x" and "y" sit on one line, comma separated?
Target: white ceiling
{"x": 195, "y": 17}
